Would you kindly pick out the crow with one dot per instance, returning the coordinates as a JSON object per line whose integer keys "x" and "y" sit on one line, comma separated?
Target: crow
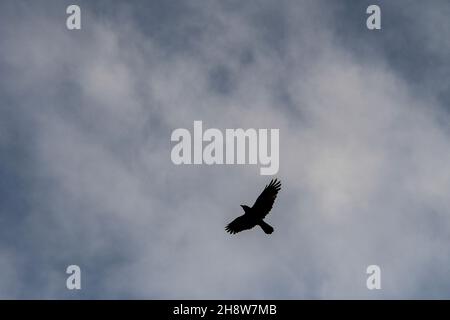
{"x": 254, "y": 216}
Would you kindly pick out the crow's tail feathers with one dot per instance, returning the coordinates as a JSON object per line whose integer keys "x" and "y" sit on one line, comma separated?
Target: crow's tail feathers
{"x": 266, "y": 227}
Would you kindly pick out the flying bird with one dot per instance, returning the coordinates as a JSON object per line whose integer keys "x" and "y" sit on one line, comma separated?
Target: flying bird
{"x": 254, "y": 216}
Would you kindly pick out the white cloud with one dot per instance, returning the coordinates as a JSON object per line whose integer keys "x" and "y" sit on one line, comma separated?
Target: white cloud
{"x": 362, "y": 161}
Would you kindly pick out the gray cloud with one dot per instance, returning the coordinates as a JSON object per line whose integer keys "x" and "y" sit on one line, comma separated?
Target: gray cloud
{"x": 86, "y": 119}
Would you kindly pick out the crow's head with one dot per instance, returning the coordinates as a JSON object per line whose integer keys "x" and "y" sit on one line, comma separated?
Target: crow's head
{"x": 246, "y": 208}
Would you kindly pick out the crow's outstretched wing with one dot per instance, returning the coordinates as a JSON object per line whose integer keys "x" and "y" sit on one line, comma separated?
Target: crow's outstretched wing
{"x": 265, "y": 201}
{"x": 240, "y": 224}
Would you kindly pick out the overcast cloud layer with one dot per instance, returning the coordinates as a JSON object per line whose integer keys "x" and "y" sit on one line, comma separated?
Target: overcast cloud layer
{"x": 86, "y": 176}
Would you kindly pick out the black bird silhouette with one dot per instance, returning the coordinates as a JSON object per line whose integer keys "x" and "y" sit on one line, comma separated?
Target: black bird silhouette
{"x": 254, "y": 216}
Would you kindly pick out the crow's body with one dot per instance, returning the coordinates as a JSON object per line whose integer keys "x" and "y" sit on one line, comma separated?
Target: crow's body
{"x": 254, "y": 216}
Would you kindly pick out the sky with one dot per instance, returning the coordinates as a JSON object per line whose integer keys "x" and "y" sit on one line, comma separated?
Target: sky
{"x": 86, "y": 176}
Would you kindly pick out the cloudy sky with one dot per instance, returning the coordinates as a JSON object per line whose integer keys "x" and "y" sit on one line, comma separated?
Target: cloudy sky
{"x": 86, "y": 176}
